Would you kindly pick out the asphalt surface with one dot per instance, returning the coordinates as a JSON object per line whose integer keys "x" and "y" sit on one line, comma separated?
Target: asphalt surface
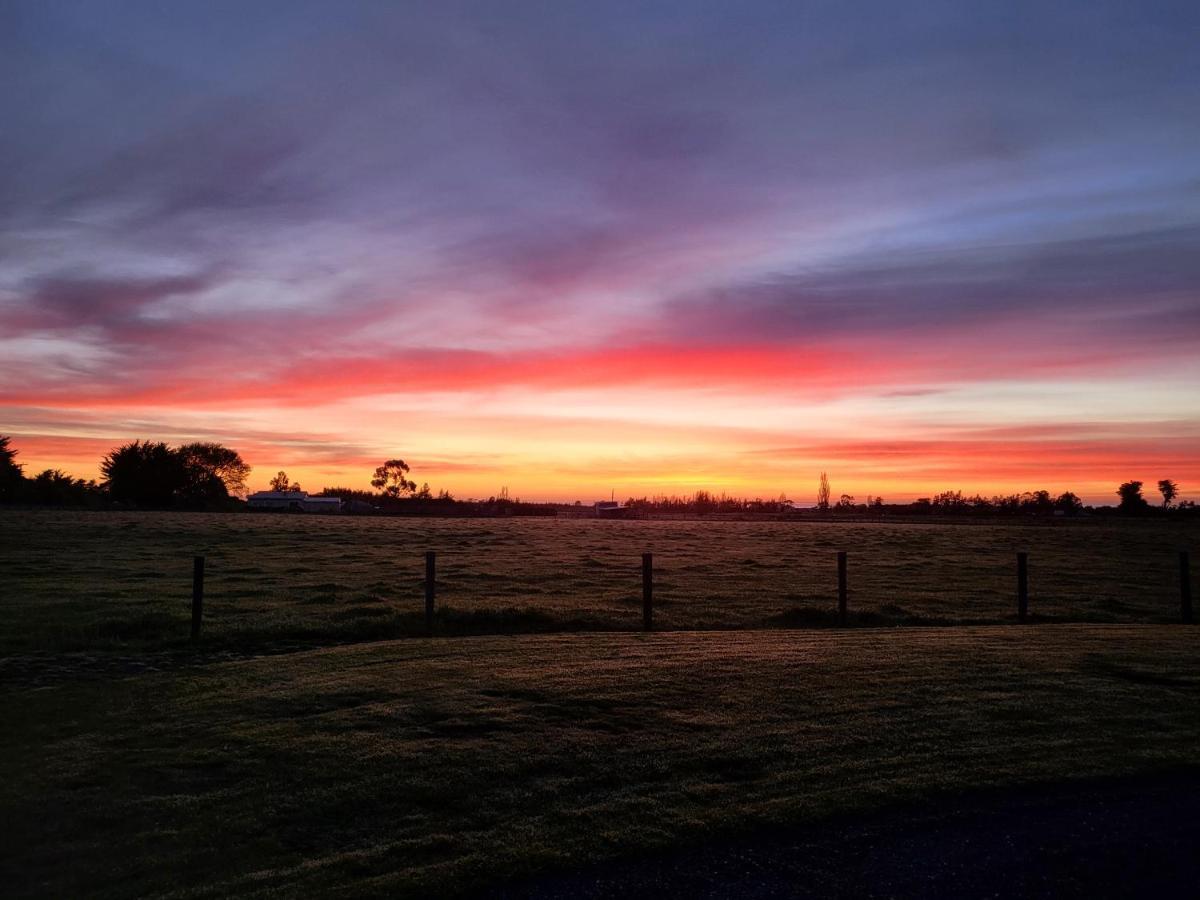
{"x": 1125, "y": 838}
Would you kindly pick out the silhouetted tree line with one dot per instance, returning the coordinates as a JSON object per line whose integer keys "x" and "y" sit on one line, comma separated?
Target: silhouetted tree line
{"x": 954, "y": 503}
{"x": 50, "y": 487}
{"x": 205, "y": 475}
{"x": 423, "y": 502}
{"x": 1036, "y": 503}
{"x": 1028, "y": 503}
{"x": 396, "y": 494}
{"x": 143, "y": 474}
{"x": 194, "y": 476}
{"x": 707, "y": 503}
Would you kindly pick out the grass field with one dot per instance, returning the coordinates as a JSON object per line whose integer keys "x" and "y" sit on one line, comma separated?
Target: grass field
{"x": 78, "y": 580}
{"x": 418, "y": 766}
{"x": 274, "y": 759}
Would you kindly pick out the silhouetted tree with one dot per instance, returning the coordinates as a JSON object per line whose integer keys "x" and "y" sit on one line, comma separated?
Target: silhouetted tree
{"x": 207, "y": 460}
{"x": 823, "y": 493}
{"x": 1169, "y": 491}
{"x": 846, "y": 501}
{"x": 144, "y": 473}
{"x": 11, "y": 472}
{"x": 280, "y": 483}
{"x": 1038, "y": 502}
{"x": 1068, "y": 503}
{"x": 54, "y": 487}
{"x": 201, "y": 488}
{"x": 949, "y": 501}
{"x": 1132, "y": 500}
{"x": 390, "y": 478}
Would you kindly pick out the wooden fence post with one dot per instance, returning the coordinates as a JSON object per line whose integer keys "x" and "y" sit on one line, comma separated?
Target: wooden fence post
{"x": 841, "y": 558}
{"x": 1185, "y": 588}
{"x": 647, "y": 591}
{"x": 430, "y": 589}
{"x": 197, "y": 595}
{"x": 1022, "y": 586}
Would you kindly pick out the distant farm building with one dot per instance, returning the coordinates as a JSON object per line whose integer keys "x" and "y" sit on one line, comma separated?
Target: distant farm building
{"x": 611, "y": 509}
{"x": 294, "y": 501}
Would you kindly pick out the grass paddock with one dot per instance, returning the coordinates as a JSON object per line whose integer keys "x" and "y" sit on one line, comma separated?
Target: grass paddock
{"x": 78, "y": 581}
{"x": 446, "y": 765}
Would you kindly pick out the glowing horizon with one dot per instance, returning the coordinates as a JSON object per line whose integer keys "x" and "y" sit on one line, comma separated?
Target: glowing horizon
{"x": 590, "y": 250}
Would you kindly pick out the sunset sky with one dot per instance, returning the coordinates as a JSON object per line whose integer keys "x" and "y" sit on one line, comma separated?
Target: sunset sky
{"x": 643, "y": 247}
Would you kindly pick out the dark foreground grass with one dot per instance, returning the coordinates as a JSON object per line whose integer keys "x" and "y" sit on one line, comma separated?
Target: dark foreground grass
{"x": 442, "y": 766}
{"x": 80, "y": 581}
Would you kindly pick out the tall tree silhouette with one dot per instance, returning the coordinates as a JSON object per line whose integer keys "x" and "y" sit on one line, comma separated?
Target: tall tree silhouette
{"x": 11, "y": 471}
{"x": 1169, "y": 491}
{"x": 144, "y": 473}
{"x": 823, "y": 493}
{"x": 1132, "y": 500}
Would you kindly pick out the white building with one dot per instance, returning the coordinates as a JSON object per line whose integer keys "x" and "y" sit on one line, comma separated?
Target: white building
{"x": 294, "y": 501}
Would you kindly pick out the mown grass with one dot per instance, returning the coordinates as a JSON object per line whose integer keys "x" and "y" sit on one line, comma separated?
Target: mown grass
{"x": 440, "y": 766}
{"x": 87, "y": 580}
